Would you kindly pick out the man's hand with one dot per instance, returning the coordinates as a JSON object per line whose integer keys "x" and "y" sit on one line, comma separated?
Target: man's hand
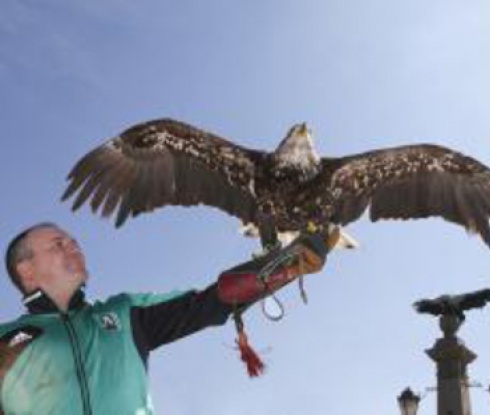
{"x": 312, "y": 251}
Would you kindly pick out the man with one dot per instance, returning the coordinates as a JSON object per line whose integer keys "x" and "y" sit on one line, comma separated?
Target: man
{"x": 66, "y": 356}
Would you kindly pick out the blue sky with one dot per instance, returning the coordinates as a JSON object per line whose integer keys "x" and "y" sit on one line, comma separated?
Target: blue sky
{"x": 364, "y": 75}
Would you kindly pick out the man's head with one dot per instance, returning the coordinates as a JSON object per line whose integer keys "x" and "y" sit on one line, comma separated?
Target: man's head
{"x": 46, "y": 257}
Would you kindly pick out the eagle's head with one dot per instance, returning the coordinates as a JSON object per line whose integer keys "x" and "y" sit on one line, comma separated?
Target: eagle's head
{"x": 296, "y": 151}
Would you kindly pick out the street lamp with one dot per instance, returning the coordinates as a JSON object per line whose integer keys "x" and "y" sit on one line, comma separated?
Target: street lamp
{"x": 408, "y": 402}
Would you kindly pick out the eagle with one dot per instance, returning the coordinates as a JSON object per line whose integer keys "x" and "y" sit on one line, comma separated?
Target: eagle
{"x": 454, "y": 304}
{"x": 166, "y": 162}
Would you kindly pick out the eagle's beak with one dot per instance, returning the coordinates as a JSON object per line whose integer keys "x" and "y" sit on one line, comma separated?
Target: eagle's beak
{"x": 303, "y": 130}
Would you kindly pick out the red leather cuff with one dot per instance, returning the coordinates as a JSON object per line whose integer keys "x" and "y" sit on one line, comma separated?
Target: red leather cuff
{"x": 239, "y": 288}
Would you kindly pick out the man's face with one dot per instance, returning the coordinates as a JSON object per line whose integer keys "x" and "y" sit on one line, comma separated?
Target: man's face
{"x": 57, "y": 262}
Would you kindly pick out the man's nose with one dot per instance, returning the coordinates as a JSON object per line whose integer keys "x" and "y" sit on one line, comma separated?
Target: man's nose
{"x": 71, "y": 245}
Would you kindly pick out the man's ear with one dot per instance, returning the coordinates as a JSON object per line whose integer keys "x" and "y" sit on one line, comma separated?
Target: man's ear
{"x": 25, "y": 269}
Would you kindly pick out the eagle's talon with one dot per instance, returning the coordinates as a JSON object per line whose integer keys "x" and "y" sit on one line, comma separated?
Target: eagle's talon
{"x": 311, "y": 227}
{"x": 267, "y": 249}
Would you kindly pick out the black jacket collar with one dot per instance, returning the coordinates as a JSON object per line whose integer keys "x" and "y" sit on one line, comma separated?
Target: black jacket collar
{"x": 38, "y": 302}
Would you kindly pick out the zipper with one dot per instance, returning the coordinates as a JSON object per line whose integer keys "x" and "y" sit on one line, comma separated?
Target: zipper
{"x": 80, "y": 369}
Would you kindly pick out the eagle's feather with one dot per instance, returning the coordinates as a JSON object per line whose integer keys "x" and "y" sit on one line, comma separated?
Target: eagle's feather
{"x": 167, "y": 162}
{"x": 454, "y": 304}
{"x": 162, "y": 163}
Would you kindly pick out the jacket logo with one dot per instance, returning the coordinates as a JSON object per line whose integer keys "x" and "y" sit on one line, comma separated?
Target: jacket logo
{"x": 110, "y": 322}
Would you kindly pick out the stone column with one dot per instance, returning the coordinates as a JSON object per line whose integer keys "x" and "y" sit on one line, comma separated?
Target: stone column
{"x": 452, "y": 358}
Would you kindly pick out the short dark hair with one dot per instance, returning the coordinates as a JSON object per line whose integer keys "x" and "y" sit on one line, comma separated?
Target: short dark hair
{"x": 17, "y": 251}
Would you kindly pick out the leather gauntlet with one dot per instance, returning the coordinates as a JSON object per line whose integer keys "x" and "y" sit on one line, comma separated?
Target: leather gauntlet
{"x": 247, "y": 283}
{"x": 261, "y": 277}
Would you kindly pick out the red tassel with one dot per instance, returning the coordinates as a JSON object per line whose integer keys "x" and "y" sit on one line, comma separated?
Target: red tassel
{"x": 255, "y": 366}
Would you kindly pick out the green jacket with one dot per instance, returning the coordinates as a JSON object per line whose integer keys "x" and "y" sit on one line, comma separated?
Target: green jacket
{"x": 92, "y": 360}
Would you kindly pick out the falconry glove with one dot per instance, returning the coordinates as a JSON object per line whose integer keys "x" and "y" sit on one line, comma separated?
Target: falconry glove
{"x": 247, "y": 283}
{"x": 260, "y": 277}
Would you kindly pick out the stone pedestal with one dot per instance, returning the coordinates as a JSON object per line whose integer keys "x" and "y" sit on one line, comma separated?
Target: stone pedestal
{"x": 452, "y": 358}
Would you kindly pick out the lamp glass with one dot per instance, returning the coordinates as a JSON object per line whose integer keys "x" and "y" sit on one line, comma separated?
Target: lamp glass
{"x": 408, "y": 402}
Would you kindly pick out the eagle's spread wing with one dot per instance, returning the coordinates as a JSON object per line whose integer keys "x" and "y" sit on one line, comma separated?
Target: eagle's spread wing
{"x": 436, "y": 307}
{"x": 165, "y": 162}
{"x": 476, "y": 299}
{"x": 411, "y": 182}
{"x": 447, "y": 304}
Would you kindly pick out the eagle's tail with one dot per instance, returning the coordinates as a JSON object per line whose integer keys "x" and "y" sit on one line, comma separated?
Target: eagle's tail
{"x": 345, "y": 241}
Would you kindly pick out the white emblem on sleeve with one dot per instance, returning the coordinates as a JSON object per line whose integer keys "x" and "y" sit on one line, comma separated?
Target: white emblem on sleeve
{"x": 19, "y": 338}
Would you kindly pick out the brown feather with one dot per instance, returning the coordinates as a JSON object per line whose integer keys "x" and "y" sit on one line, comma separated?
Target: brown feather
{"x": 171, "y": 163}
{"x": 167, "y": 162}
{"x": 413, "y": 182}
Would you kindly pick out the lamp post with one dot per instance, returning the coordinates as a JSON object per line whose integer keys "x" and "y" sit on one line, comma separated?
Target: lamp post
{"x": 408, "y": 402}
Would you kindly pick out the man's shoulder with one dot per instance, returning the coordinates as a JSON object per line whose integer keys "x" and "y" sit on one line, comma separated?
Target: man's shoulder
{"x": 114, "y": 301}
{"x": 138, "y": 299}
{"x": 13, "y": 325}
